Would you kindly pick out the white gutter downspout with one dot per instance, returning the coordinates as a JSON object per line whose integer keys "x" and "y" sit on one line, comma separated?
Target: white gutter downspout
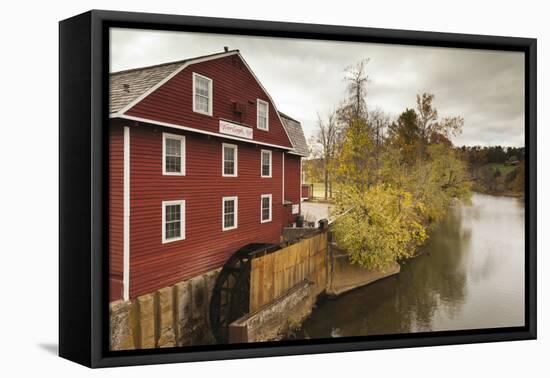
{"x": 300, "y": 187}
{"x": 283, "y": 191}
{"x": 126, "y": 218}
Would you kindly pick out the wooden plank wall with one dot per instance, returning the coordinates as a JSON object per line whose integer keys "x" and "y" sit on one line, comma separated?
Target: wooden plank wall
{"x": 272, "y": 275}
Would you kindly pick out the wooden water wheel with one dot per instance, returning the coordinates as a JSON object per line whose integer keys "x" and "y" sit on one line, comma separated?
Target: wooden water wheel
{"x": 231, "y": 293}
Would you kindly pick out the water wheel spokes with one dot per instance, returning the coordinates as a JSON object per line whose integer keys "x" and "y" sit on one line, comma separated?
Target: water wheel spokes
{"x": 230, "y": 298}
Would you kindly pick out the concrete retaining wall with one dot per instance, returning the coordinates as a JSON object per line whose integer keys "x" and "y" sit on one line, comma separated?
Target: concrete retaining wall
{"x": 293, "y": 233}
{"x": 281, "y": 299}
{"x": 172, "y": 316}
{"x": 343, "y": 276}
{"x": 276, "y": 319}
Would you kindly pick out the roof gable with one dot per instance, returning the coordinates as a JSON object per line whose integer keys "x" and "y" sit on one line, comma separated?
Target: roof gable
{"x": 135, "y": 90}
{"x": 143, "y": 81}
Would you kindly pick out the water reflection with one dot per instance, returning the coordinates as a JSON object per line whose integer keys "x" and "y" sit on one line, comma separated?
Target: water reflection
{"x": 470, "y": 275}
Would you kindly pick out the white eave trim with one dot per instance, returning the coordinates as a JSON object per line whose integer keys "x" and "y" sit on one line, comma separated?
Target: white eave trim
{"x": 186, "y": 128}
{"x": 292, "y": 152}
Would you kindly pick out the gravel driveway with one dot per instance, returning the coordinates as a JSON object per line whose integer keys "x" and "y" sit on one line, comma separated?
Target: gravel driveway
{"x": 313, "y": 212}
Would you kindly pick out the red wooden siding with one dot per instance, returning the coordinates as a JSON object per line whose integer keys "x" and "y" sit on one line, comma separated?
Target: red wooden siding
{"x": 232, "y": 82}
{"x": 116, "y": 166}
{"x": 307, "y": 191}
{"x": 154, "y": 265}
{"x": 292, "y": 183}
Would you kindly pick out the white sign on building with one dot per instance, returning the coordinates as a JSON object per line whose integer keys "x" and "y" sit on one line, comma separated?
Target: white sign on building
{"x": 235, "y": 130}
{"x": 295, "y": 209}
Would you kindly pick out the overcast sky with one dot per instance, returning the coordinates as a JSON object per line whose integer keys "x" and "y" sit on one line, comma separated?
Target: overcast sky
{"x": 305, "y": 76}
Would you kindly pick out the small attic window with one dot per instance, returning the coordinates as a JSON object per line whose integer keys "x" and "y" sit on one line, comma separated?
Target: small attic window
{"x": 126, "y": 88}
{"x": 202, "y": 94}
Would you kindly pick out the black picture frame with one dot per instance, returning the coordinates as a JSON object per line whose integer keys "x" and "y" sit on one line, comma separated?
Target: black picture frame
{"x": 83, "y": 210}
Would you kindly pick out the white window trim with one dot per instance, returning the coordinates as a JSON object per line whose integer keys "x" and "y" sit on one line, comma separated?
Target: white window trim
{"x": 270, "y": 208}
{"x": 210, "y": 92}
{"x": 182, "y": 153}
{"x": 182, "y": 220}
{"x": 258, "y": 102}
{"x": 236, "y": 149}
{"x": 236, "y": 215}
{"x": 270, "y": 163}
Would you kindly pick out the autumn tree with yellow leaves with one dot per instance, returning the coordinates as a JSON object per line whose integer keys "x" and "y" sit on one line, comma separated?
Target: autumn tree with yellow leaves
{"x": 394, "y": 185}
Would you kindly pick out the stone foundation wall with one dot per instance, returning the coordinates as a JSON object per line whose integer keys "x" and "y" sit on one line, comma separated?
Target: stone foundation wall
{"x": 172, "y": 316}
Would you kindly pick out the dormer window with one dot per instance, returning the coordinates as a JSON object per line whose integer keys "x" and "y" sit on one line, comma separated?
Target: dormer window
{"x": 263, "y": 115}
{"x": 202, "y": 94}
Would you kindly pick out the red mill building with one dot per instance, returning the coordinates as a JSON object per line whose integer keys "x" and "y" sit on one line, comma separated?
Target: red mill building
{"x": 201, "y": 164}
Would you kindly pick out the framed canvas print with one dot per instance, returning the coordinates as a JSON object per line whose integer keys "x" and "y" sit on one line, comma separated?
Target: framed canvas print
{"x": 235, "y": 188}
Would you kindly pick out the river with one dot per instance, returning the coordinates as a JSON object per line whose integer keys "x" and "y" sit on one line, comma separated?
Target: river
{"x": 470, "y": 275}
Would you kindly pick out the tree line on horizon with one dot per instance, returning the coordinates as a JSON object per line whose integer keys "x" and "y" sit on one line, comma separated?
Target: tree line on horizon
{"x": 493, "y": 169}
{"x": 496, "y": 169}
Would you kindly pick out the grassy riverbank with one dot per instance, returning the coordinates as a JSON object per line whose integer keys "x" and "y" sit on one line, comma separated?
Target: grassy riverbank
{"x": 503, "y": 194}
{"x": 499, "y": 179}
{"x": 319, "y": 192}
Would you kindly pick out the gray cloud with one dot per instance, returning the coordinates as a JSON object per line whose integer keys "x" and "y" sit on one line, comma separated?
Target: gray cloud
{"x": 305, "y": 76}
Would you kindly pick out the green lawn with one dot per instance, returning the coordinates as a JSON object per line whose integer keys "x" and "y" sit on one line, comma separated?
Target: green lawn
{"x": 319, "y": 190}
{"x": 503, "y": 168}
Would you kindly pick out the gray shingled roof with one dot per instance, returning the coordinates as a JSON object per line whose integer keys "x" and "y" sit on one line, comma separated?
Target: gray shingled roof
{"x": 296, "y": 134}
{"x": 126, "y": 86}
{"x": 138, "y": 81}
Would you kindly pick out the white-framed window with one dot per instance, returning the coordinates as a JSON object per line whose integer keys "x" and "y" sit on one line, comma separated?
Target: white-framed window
{"x": 173, "y": 221}
{"x": 202, "y": 94}
{"x": 229, "y": 160}
{"x": 262, "y": 118}
{"x": 230, "y": 207}
{"x": 266, "y": 163}
{"x": 173, "y": 155}
{"x": 266, "y": 205}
